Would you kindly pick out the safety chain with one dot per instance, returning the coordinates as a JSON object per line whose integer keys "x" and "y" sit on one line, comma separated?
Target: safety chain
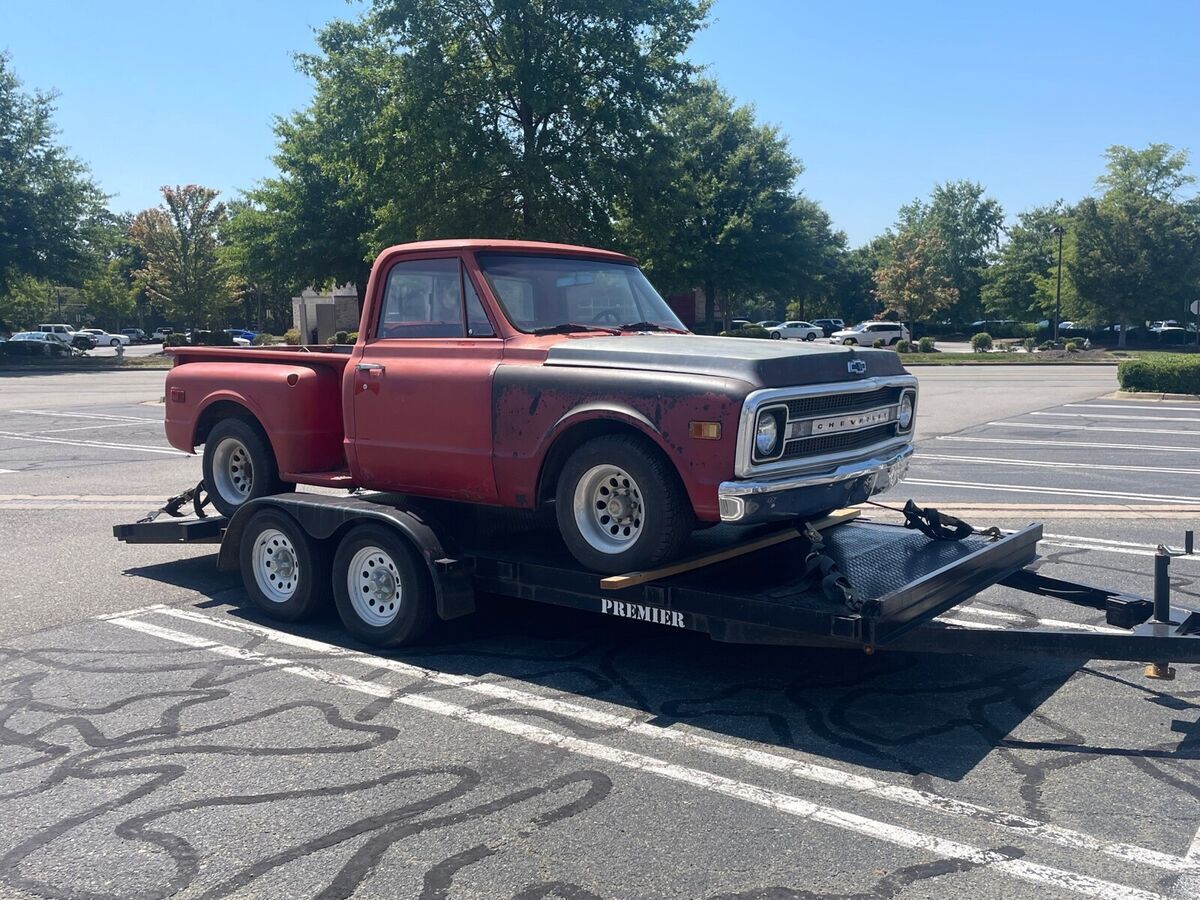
{"x": 197, "y": 496}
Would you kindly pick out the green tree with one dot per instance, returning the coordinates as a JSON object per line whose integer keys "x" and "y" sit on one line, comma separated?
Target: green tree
{"x": 1020, "y": 282}
{"x": 968, "y": 224}
{"x": 108, "y": 297}
{"x": 443, "y": 119}
{"x": 1137, "y": 247}
{"x": 718, "y": 209}
{"x": 912, "y": 282}
{"x": 179, "y": 241}
{"x": 50, "y": 209}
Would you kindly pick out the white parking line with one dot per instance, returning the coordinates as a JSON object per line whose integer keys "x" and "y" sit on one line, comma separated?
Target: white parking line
{"x": 1090, "y": 445}
{"x": 1094, "y": 428}
{"x": 92, "y": 427}
{"x": 1051, "y": 623}
{"x": 76, "y": 415}
{"x": 773, "y": 761}
{"x": 1126, "y": 406}
{"x": 1064, "y": 492}
{"x": 999, "y": 862}
{"x": 1111, "y": 416}
{"x": 1039, "y": 464}
{"x": 101, "y": 444}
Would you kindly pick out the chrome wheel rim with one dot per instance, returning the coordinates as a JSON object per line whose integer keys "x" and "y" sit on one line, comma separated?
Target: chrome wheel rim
{"x": 276, "y": 568}
{"x": 373, "y": 582}
{"x": 232, "y": 471}
{"x": 609, "y": 509}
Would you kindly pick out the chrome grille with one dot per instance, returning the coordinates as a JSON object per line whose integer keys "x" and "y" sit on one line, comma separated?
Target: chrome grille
{"x": 804, "y": 407}
{"x": 836, "y": 443}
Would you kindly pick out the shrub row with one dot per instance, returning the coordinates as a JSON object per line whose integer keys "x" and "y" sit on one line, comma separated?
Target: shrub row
{"x": 1169, "y": 374}
{"x": 747, "y": 331}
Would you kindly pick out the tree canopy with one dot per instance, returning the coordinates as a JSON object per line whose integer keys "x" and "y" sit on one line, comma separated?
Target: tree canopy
{"x": 51, "y": 213}
{"x": 179, "y": 240}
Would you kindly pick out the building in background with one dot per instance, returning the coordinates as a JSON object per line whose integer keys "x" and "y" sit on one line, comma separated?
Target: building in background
{"x": 319, "y": 315}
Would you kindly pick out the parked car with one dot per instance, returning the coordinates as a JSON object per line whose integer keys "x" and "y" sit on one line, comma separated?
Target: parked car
{"x": 67, "y": 335}
{"x": 1156, "y": 327}
{"x": 547, "y": 393}
{"x": 829, "y": 326}
{"x": 162, "y": 332}
{"x": 103, "y": 338}
{"x": 867, "y": 333}
{"x": 35, "y": 343}
{"x": 136, "y": 336}
{"x": 768, "y": 323}
{"x": 247, "y": 336}
{"x": 739, "y": 323}
{"x": 796, "y": 330}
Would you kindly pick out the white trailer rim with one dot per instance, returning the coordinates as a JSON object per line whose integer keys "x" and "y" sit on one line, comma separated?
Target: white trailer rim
{"x": 373, "y": 583}
{"x": 276, "y": 569}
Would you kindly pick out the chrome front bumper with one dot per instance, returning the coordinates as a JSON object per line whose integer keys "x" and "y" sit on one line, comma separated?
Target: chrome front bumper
{"x": 803, "y": 494}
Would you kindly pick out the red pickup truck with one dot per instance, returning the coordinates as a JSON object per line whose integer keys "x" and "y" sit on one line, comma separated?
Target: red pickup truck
{"x": 522, "y": 374}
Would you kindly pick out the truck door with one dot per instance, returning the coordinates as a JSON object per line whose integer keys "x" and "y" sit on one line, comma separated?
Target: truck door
{"x": 421, "y": 408}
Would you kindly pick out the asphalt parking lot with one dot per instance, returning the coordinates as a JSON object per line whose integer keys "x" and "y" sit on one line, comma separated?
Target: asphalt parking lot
{"x": 158, "y": 738}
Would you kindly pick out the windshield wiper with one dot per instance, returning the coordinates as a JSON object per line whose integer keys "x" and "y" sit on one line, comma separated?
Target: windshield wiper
{"x": 648, "y": 326}
{"x": 568, "y": 327}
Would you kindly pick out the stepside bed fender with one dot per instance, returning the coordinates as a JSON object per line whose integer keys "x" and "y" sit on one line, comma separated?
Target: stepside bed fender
{"x": 325, "y": 517}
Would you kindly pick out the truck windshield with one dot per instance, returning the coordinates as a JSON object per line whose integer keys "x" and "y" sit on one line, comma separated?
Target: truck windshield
{"x": 544, "y": 293}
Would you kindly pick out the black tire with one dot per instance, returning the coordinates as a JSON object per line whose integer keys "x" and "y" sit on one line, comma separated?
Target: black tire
{"x": 223, "y": 476}
{"x": 775, "y": 336}
{"x": 114, "y": 342}
{"x": 849, "y": 342}
{"x": 415, "y": 602}
{"x": 667, "y": 518}
{"x": 810, "y": 337}
{"x": 290, "y": 590}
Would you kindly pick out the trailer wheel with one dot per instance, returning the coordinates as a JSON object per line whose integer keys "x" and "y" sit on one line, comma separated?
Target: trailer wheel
{"x": 620, "y": 505}
{"x": 286, "y": 572}
{"x": 383, "y": 594}
{"x": 239, "y": 465}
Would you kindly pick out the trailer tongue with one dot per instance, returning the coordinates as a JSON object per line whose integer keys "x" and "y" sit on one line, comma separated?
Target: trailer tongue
{"x": 842, "y": 582}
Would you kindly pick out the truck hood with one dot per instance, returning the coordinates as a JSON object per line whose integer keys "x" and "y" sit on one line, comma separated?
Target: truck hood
{"x": 761, "y": 363}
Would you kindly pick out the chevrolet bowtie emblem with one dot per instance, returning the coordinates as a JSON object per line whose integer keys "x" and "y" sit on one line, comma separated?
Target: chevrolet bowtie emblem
{"x": 856, "y": 367}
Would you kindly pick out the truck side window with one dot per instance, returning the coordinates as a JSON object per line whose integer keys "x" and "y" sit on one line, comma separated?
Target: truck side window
{"x": 477, "y": 320}
{"x": 422, "y": 299}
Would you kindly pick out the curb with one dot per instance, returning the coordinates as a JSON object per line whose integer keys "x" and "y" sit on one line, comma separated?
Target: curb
{"x": 1152, "y": 395}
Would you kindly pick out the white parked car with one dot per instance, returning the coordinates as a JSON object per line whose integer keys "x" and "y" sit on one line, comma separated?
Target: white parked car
{"x": 867, "y": 333}
{"x": 104, "y": 339}
{"x": 796, "y": 331}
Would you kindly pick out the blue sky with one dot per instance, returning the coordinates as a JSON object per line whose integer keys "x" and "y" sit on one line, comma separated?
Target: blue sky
{"x": 881, "y": 100}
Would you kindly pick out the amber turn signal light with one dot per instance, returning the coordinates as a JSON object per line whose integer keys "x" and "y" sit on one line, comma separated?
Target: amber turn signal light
{"x": 705, "y": 431}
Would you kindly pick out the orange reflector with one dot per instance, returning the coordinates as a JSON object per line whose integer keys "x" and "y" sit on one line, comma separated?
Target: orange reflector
{"x": 178, "y": 395}
{"x": 705, "y": 431}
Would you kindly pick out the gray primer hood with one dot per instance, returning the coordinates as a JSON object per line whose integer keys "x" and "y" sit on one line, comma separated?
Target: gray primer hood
{"x": 761, "y": 363}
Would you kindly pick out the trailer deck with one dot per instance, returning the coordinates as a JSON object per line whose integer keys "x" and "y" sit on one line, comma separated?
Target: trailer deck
{"x": 857, "y": 584}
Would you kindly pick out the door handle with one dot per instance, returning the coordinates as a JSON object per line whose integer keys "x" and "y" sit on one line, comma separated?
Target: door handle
{"x": 370, "y": 368}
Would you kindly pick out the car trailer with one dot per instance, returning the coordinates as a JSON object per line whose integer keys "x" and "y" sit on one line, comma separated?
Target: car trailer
{"x": 844, "y": 581}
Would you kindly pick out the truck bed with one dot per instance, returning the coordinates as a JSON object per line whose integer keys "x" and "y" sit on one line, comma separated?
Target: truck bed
{"x": 333, "y": 356}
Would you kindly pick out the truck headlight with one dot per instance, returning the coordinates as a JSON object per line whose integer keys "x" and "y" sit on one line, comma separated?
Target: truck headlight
{"x": 768, "y": 434}
{"x": 904, "y": 416}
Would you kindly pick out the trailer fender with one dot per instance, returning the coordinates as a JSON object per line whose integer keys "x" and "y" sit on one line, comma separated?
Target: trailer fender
{"x": 322, "y": 517}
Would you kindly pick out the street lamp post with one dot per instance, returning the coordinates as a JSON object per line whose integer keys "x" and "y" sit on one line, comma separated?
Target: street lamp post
{"x": 1060, "y": 231}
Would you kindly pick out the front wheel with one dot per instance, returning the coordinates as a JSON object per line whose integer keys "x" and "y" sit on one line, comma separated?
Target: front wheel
{"x": 286, "y": 573}
{"x": 775, "y": 336}
{"x": 383, "y": 593}
{"x": 114, "y": 343}
{"x": 620, "y": 505}
{"x": 849, "y": 342}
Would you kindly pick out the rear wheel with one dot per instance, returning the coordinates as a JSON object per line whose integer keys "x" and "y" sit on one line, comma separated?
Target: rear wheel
{"x": 620, "y": 505}
{"x": 383, "y": 592}
{"x": 239, "y": 465}
{"x": 286, "y": 573}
